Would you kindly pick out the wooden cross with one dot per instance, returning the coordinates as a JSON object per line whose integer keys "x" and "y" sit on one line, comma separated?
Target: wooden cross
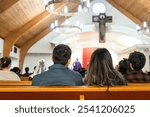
{"x": 102, "y": 19}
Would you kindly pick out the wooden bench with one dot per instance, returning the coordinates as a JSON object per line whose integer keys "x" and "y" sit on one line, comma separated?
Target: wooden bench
{"x": 23, "y": 78}
{"x": 130, "y": 92}
{"x": 15, "y": 83}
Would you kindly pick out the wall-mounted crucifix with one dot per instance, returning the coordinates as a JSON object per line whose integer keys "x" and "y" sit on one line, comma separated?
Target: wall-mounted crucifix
{"x": 102, "y": 19}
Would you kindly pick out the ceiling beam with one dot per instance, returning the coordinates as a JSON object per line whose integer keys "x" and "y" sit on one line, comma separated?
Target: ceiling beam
{"x": 10, "y": 40}
{"x": 5, "y": 4}
{"x": 25, "y": 47}
{"x": 124, "y": 11}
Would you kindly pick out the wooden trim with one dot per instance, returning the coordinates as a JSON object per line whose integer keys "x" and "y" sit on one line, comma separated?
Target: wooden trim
{"x": 130, "y": 87}
{"x": 82, "y": 97}
{"x": 125, "y": 12}
{"x": 6, "y": 4}
{"x": 130, "y": 92}
{"x": 15, "y": 83}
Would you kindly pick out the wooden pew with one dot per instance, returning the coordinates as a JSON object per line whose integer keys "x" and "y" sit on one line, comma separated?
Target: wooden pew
{"x": 15, "y": 83}
{"x": 23, "y": 78}
{"x": 130, "y": 92}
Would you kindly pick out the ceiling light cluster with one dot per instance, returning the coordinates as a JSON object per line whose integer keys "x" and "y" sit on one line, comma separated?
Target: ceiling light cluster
{"x": 82, "y": 6}
{"x": 67, "y": 8}
{"x": 144, "y": 28}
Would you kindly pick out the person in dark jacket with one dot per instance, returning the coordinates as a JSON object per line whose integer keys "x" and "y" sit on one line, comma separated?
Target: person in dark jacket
{"x": 58, "y": 73}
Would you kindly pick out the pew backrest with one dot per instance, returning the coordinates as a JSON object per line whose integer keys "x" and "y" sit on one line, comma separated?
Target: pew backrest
{"x": 15, "y": 83}
{"x": 130, "y": 92}
{"x": 23, "y": 78}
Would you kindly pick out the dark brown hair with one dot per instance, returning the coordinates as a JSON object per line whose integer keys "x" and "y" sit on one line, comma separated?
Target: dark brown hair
{"x": 101, "y": 70}
{"x": 61, "y": 54}
{"x": 5, "y": 62}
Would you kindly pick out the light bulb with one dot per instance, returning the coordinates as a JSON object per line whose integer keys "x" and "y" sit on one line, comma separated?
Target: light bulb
{"x": 65, "y": 9}
{"x": 56, "y": 23}
{"x": 147, "y": 30}
{"x": 144, "y": 24}
{"x": 79, "y": 8}
{"x": 52, "y": 25}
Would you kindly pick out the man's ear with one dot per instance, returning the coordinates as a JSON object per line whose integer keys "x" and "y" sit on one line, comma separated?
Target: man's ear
{"x": 68, "y": 62}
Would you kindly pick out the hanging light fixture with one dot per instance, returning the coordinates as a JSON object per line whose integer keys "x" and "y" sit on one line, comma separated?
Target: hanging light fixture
{"x": 66, "y": 27}
{"x": 67, "y": 8}
{"x": 144, "y": 28}
{"x": 82, "y": 6}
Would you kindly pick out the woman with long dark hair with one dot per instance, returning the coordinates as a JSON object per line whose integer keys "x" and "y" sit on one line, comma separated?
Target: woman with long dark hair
{"x": 101, "y": 71}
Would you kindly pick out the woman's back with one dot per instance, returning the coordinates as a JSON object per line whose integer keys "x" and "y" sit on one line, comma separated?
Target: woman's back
{"x": 5, "y": 74}
{"x": 8, "y": 75}
{"x": 101, "y": 70}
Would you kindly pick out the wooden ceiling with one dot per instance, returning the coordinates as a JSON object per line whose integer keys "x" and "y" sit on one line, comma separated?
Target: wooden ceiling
{"x": 136, "y": 10}
{"x": 23, "y": 20}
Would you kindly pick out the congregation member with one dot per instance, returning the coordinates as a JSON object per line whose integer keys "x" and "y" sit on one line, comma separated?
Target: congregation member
{"x": 101, "y": 71}
{"x": 5, "y": 74}
{"x": 26, "y": 74}
{"x": 137, "y": 62}
{"x": 16, "y": 70}
{"x": 39, "y": 68}
{"x": 58, "y": 73}
{"x": 124, "y": 67}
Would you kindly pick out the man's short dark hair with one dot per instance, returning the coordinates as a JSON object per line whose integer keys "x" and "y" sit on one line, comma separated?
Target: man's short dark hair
{"x": 61, "y": 54}
{"x": 137, "y": 59}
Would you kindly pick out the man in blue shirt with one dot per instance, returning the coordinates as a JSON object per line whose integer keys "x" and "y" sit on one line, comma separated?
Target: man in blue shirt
{"x": 59, "y": 74}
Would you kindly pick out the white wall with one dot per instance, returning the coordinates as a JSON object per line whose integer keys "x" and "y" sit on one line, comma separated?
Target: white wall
{"x": 32, "y": 59}
{"x": 41, "y": 47}
{"x": 15, "y": 62}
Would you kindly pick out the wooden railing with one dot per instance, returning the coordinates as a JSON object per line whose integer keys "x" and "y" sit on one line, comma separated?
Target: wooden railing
{"x": 131, "y": 92}
{"x": 23, "y": 78}
{"x": 15, "y": 83}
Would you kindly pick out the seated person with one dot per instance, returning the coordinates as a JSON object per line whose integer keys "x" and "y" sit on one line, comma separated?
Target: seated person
{"x": 5, "y": 74}
{"x": 101, "y": 72}
{"x": 137, "y": 61}
{"x": 58, "y": 73}
{"x": 16, "y": 70}
{"x": 124, "y": 67}
{"x": 39, "y": 68}
{"x": 82, "y": 71}
{"x": 26, "y": 72}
